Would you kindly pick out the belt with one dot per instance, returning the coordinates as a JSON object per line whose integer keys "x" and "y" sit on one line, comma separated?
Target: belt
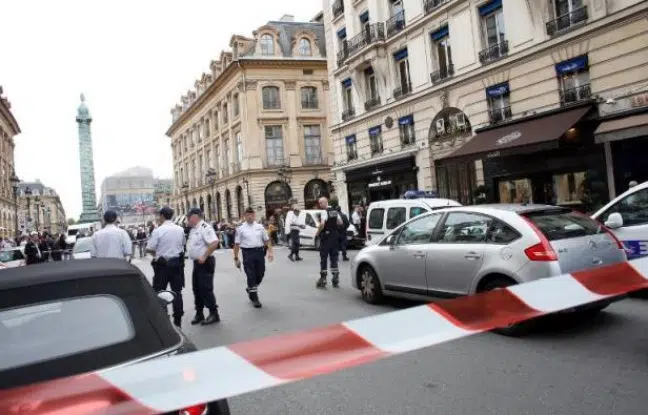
{"x": 256, "y": 248}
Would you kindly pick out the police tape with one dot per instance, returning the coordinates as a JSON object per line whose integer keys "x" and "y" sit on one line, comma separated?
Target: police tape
{"x": 164, "y": 385}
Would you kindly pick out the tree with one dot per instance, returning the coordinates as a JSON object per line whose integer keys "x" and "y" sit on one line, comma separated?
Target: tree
{"x": 71, "y": 221}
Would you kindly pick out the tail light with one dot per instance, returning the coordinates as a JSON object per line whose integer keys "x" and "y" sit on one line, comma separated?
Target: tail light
{"x": 542, "y": 251}
{"x": 200, "y": 409}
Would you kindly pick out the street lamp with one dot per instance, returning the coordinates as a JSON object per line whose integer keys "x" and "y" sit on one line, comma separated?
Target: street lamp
{"x": 28, "y": 193}
{"x": 185, "y": 190}
{"x": 246, "y": 183}
{"x": 211, "y": 179}
{"x": 15, "y": 181}
{"x": 37, "y": 205}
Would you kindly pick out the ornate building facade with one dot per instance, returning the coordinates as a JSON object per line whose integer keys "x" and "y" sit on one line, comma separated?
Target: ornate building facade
{"x": 40, "y": 209}
{"x": 254, "y": 131}
{"x": 8, "y": 130}
{"x": 456, "y": 96}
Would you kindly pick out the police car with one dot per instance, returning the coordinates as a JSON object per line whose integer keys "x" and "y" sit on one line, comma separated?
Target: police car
{"x": 627, "y": 217}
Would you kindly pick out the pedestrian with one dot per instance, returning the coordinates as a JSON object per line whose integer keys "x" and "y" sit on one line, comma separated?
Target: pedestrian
{"x": 141, "y": 242}
{"x": 44, "y": 248}
{"x": 342, "y": 235}
{"x": 111, "y": 241}
{"x": 356, "y": 219}
{"x": 57, "y": 250}
{"x": 32, "y": 253}
{"x": 295, "y": 225}
{"x": 201, "y": 244}
{"x": 166, "y": 244}
{"x": 252, "y": 239}
{"x": 329, "y": 247}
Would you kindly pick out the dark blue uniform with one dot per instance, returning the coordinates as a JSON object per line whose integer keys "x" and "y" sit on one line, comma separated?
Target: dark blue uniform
{"x": 329, "y": 246}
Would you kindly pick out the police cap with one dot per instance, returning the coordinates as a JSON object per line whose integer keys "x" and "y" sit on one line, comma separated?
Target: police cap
{"x": 194, "y": 211}
{"x": 166, "y": 212}
{"x": 249, "y": 210}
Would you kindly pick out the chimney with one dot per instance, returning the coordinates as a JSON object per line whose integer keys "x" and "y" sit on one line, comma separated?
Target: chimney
{"x": 287, "y": 18}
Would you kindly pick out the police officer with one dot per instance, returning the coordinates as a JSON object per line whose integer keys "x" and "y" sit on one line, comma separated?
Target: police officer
{"x": 201, "y": 245}
{"x": 294, "y": 226}
{"x": 342, "y": 235}
{"x": 329, "y": 244}
{"x": 167, "y": 245}
{"x": 251, "y": 238}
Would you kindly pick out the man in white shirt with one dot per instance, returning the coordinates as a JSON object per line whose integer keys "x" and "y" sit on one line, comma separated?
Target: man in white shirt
{"x": 111, "y": 242}
{"x": 293, "y": 226}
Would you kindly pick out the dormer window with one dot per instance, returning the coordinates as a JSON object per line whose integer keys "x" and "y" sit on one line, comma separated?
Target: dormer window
{"x": 267, "y": 45}
{"x": 305, "y": 47}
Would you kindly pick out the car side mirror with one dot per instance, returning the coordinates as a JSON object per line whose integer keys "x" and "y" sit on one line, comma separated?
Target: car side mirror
{"x": 166, "y": 297}
{"x": 614, "y": 221}
{"x": 391, "y": 239}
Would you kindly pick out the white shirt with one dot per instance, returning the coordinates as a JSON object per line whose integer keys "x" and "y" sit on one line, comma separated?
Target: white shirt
{"x": 200, "y": 237}
{"x": 111, "y": 242}
{"x": 289, "y": 219}
{"x": 251, "y": 235}
{"x": 167, "y": 240}
{"x": 355, "y": 218}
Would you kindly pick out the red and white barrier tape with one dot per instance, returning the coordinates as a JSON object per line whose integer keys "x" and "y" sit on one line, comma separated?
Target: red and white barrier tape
{"x": 165, "y": 385}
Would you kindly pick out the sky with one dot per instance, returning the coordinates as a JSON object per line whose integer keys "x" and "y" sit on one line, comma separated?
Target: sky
{"x": 133, "y": 60}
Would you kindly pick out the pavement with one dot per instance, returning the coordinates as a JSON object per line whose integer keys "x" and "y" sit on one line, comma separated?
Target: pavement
{"x": 567, "y": 366}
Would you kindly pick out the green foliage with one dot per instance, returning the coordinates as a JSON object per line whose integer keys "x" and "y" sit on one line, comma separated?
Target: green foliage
{"x": 71, "y": 221}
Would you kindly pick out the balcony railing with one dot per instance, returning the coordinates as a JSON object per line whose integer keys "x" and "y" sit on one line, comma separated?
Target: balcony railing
{"x": 338, "y": 8}
{"x": 567, "y": 21}
{"x": 343, "y": 54}
{"x": 498, "y": 115}
{"x": 402, "y": 90}
{"x": 376, "y": 147}
{"x": 372, "y": 103}
{"x": 430, "y": 5}
{"x": 574, "y": 95}
{"x": 494, "y": 52}
{"x": 369, "y": 35}
{"x": 396, "y": 23}
{"x": 442, "y": 74}
{"x": 348, "y": 114}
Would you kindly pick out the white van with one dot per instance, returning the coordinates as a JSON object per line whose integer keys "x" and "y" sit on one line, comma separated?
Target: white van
{"x": 311, "y": 219}
{"x": 386, "y": 215}
{"x": 627, "y": 216}
{"x": 82, "y": 228}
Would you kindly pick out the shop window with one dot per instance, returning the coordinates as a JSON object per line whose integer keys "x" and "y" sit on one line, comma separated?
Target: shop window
{"x": 376, "y": 219}
{"x": 568, "y": 188}
{"x": 419, "y": 231}
{"x": 406, "y": 127}
{"x": 271, "y": 99}
{"x": 633, "y": 208}
{"x": 574, "y": 80}
{"x": 457, "y": 182}
{"x": 465, "y": 228}
{"x": 396, "y": 217}
{"x": 499, "y": 104}
{"x": 351, "y": 147}
{"x": 515, "y": 191}
{"x": 376, "y": 141}
{"x": 309, "y": 98}
{"x": 416, "y": 211}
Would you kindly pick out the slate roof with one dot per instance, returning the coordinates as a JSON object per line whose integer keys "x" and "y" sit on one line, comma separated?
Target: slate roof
{"x": 287, "y": 31}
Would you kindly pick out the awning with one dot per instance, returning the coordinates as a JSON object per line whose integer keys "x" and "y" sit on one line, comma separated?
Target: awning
{"x": 521, "y": 137}
{"x": 622, "y": 128}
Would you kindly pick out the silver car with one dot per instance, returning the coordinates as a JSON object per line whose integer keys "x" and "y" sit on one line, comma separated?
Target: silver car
{"x": 466, "y": 250}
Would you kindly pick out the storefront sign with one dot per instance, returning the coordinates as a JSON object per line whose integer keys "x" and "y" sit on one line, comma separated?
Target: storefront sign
{"x": 380, "y": 184}
{"x": 493, "y": 154}
{"x": 509, "y": 138}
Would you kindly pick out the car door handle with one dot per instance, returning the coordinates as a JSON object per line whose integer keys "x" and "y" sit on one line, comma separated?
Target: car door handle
{"x": 418, "y": 255}
{"x": 472, "y": 255}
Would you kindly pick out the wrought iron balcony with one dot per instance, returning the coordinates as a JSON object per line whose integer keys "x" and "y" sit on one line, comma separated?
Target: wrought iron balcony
{"x": 494, "y": 52}
{"x": 343, "y": 54}
{"x": 338, "y": 8}
{"x": 402, "y": 90}
{"x": 348, "y": 114}
{"x": 370, "y": 34}
{"x": 430, "y": 5}
{"x": 498, "y": 115}
{"x": 442, "y": 74}
{"x": 574, "y": 95}
{"x": 567, "y": 21}
{"x": 396, "y": 23}
{"x": 372, "y": 103}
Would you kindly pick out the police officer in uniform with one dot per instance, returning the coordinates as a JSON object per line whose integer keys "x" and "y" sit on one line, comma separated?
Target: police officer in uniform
{"x": 329, "y": 243}
{"x": 201, "y": 245}
{"x": 252, "y": 238}
{"x": 167, "y": 245}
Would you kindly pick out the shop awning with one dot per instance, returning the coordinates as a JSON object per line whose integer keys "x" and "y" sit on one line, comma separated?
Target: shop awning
{"x": 521, "y": 137}
{"x": 622, "y": 128}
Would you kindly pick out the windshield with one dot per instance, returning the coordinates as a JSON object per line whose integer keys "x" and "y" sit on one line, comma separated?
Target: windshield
{"x": 11, "y": 255}
{"x": 72, "y": 232}
{"x": 82, "y": 245}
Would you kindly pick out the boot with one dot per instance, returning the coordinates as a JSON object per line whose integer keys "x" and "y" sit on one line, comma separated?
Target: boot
{"x": 336, "y": 280}
{"x": 290, "y": 257}
{"x": 213, "y": 318}
{"x": 321, "y": 283}
{"x": 177, "y": 321}
{"x": 299, "y": 258}
{"x": 198, "y": 319}
{"x": 345, "y": 258}
{"x": 254, "y": 297}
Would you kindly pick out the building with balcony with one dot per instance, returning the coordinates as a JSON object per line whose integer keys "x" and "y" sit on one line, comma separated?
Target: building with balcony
{"x": 40, "y": 209}
{"x": 254, "y": 132}
{"x": 465, "y": 97}
{"x": 8, "y": 130}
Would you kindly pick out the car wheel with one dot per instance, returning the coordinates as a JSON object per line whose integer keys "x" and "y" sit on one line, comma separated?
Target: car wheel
{"x": 512, "y": 330}
{"x": 370, "y": 285}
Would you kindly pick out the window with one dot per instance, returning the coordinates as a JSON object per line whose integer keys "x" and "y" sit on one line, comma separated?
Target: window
{"x": 313, "y": 144}
{"x": 271, "y": 100}
{"x": 310, "y": 221}
{"x": 206, "y": 123}
{"x": 12, "y": 255}
{"x": 267, "y": 45}
{"x": 633, "y": 208}
{"x": 501, "y": 233}
{"x": 515, "y": 191}
{"x": 351, "y": 147}
{"x": 419, "y": 231}
{"x": 216, "y": 120}
{"x": 557, "y": 224}
{"x": 499, "y": 105}
{"x": 396, "y": 217}
{"x": 492, "y": 23}
{"x": 47, "y": 331}
{"x": 569, "y": 188}
{"x": 406, "y": 127}
{"x": 274, "y": 145}
{"x": 219, "y": 160}
{"x": 235, "y": 105}
{"x": 402, "y": 73}
{"x": 416, "y": 211}
{"x": 227, "y": 158}
{"x": 239, "y": 148}
{"x": 376, "y": 218}
{"x": 347, "y": 95}
{"x": 376, "y": 141}
{"x": 574, "y": 79}
{"x": 305, "y": 48}
{"x": 364, "y": 23}
{"x": 225, "y": 113}
{"x": 200, "y": 169}
{"x": 341, "y": 39}
{"x": 565, "y": 7}
{"x": 370, "y": 84}
{"x": 309, "y": 98}
{"x": 208, "y": 159}
{"x": 442, "y": 52}
{"x": 199, "y": 133}
{"x": 464, "y": 228}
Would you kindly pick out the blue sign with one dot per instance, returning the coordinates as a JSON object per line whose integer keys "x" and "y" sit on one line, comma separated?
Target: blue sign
{"x": 350, "y": 139}
{"x": 400, "y": 55}
{"x": 490, "y": 7}
{"x": 440, "y": 34}
{"x": 375, "y": 130}
{"x": 342, "y": 33}
{"x": 406, "y": 120}
{"x": 498, "y": 90}
{"x": 636, "y": 249}
{"x": 346, "y": 83}
{"x": 572, "y": 65}
{"x": 364, "y": 17}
